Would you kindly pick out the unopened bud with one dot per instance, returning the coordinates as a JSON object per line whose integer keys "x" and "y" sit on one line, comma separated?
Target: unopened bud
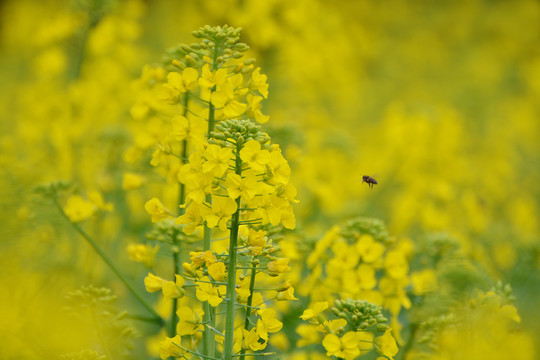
{"x": 178, "y": 64}
{"x": 284, "y": 287}
{"x": 239, "y": 68}
{"x": 240, "y": 140}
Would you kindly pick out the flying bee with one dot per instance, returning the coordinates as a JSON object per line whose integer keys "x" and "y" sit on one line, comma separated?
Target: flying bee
{"x": 369, "y": 180}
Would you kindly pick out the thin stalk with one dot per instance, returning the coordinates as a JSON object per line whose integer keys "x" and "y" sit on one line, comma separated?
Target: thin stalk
{"x": 176, "y": 270}
{"x": 231, "y": 276}
{"x": 209, "y": 339}
{"x": 111, "y": 265}
{"x": 249, "y": 303}
{"x": 175, "y": 244}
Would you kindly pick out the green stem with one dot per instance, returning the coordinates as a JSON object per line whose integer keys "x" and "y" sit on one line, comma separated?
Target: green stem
{"x": 231, "y": 276}
{"x": 209, "y": 340}
{"x": 175, "y": 244}
{"x": 176, "y": 270}
{"x": 111, "y": 265}
{"x": 249, "y": 303}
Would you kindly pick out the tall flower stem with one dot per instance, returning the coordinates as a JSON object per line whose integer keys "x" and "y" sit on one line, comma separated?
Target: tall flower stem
{"x": 231, "y": 276}
{"x": 112, "y": 266}
{"x": 249, "y": 302}
{"x": 209, "y": 340}
{"x": 175, "y": 244}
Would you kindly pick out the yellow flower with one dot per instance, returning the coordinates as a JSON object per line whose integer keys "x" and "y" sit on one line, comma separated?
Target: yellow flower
{"x": 386, "y": 345}
{"x": 278, "y": 170}
{"x": 132, "y": 181}
{"x": 278, "y": 266}
{"x": 246, "y": 186}
{"x": 168, "y": 348}
{"x": 217, "y": 160}
{"x": 224, "y": 97}
{"x": 423, "y": 281}
{"x": 396, "y": 264}
{"x": 257, "y": 237}
{"x": 192, "y": 130}
{"x": 242, "y": 288}
{"x": 308, "y": 335}
{"x": 252, "y": 340}
{"x": 208, "y": 292}
{"x": 192, "y": 218}
{"x": 258, "y": 82}
{"x": 217, "y": 271}
{"x": 221, "y": 212}
{"x": 144, "y": 254}
{"x": 254, "y": 103}
{"x": 198, "y": 258}
{"x": 366, "y": 277}
{"x": 256, "y": 158}
{"x": 188, "y": 320}
{"x": 268, "y": 323}
{"x": 318, "y": 307}
{"x": 153, "y": 283}
{"x": 369, "y": 249}
{"x": 199, "y": 187}
{"x": 96, "y": 198}
{"x": 173, "y": 290}
{"x": 210, "y": 79}
{"x": 345, "y": 347}
{"x": 155, "y": 208}
{"x": 78, "y": 209}
{"x": 178, "y": 84}
{"x": 286, "y": 295}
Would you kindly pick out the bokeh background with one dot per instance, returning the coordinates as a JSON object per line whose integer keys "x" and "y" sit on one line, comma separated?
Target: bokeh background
{"x": 439, "y": 101}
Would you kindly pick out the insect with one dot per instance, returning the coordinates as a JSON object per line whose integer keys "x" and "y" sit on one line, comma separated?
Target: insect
{"x": 369, "y": 180}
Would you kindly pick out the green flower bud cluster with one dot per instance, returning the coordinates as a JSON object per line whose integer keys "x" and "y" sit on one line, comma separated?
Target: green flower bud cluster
{"x": 439, "y": 247}
{"x": 97, "y": 303}
{"x": 237, "y": 132}
{"x": 167, "y": 231}
{"x": 91, "y": 296}
{"x": 361, "y": 314}
{"x": 362, "y": 226}
{"x": 430, "y": 328}
{"x": 504, "y": 291}
{"x": 53, "y": 189}
{"x": 219, "y": 43}
{"x": 83, "y": 355}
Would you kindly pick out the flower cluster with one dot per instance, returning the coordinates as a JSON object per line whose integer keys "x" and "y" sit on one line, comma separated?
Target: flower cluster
{"x": 354, "y": 331}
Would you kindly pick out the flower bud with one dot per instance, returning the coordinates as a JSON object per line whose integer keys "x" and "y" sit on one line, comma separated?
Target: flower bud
{"x": 178, "y": 64}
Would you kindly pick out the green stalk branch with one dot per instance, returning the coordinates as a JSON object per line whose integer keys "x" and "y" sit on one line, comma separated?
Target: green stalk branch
{"x": 112, "y": 266}
{"x": 209, "y": 340}
{"x": 231, "y": 276}
{"x": 249, "y": 303}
